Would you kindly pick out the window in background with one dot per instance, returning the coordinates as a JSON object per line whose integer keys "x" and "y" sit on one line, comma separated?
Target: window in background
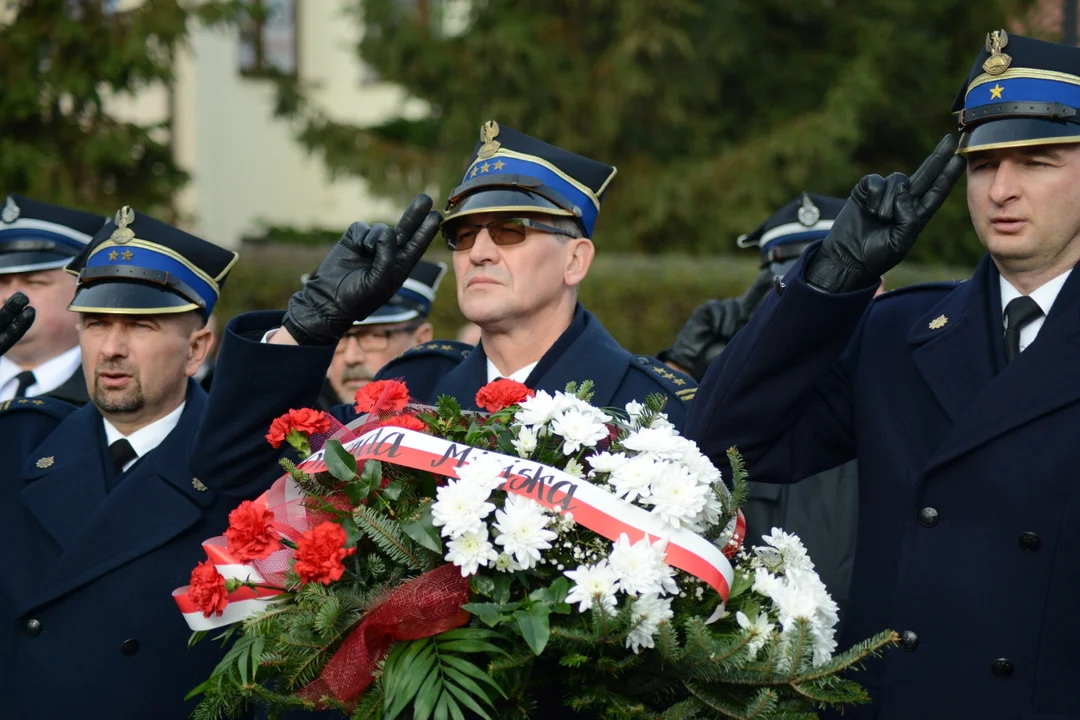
{"x": 268, "y": 39}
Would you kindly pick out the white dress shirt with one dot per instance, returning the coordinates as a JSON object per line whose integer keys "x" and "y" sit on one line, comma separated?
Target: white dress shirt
{"x": 146, "y": 438}
{"x": 1043, "y": 296}
{"x": 520, "y": 376}
{"x": 48, "y": 376}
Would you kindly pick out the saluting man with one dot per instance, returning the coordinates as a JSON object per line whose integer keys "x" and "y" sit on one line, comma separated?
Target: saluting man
{"x": 103, "y": 513}
{"x": 36, "y": 241}
{"x": 961, "y": 403}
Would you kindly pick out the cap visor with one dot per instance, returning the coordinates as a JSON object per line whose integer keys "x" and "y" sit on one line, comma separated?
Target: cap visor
{"x": 24, "y": 262}
{"x": 386, "y": 315}
{"x": 1017, "y": 132}
{"x": 130, "y": 298}
{"x": 503, "y": 200}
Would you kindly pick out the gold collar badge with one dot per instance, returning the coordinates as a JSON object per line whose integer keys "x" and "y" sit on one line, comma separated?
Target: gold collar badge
{"x": 124, "y": 217}
{"x": 938, "y": 322}
{"x": 998, "y": 62}
{"x": 46, "y": 462}
{"x": 488, "y": 132}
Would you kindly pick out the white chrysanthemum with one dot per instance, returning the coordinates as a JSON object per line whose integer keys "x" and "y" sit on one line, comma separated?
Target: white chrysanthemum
{"x": 606, "y": 462}
{"x": 485, "y": 471}
{"x": 578, "y": 429}
{"x": 541, "y": 408}
{"x": 660, "y": 421}
{"x": 640, "y": 567}
{"x": 573, "y": 467}
{"x": 701, "y": 467}
{"x": 460, "y": 507}
{"x": 632, "y": 480}
{"x": 592, "y": 583}
{"x": 710, "y": 513}
{"x": 761, "y": 628}
{"x": 678, "y": 498}
{"x": 525, "y": 442}
{"x": 505, "y": 563}
{"x": 634, "y": 410}
{"x": 800, "y": 594}
{"x": 522, "y": 524}
{"x": 470, "y": 551}
{"x": 791, "y": 549}
{"x": 662, "y": 441}
{"x": 648, "y": 611}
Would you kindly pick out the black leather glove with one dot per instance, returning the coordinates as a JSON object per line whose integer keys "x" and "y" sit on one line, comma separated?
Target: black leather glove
{"x": 712, "y": 325}
{"x": 360, "y": 274}
{"x": 881, "y": 220}
{"x": 16, "y": 317}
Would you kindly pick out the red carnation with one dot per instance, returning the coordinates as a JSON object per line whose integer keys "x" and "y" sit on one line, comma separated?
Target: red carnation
{"x": 251, "y": 533}
{"x": 320, "y": 552}
{"x": 501, "y": 394}
{"x": 208, "y": 589}
{"x": 409, "y": 422}
{"x": 304, "y": 420}
{"x": 382, "y": 396}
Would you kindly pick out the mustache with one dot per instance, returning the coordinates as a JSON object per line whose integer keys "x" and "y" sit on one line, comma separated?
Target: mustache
{"x": 115, "y": 367}
{"x": 482, "y": 271}
{"x": 356, "y": 372}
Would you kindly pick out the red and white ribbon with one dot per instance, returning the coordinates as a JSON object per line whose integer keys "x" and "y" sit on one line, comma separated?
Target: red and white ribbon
{"x": 591, "y": 506}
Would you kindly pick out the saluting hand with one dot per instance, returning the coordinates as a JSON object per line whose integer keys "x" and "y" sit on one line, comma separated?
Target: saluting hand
{"x": 881, "y": 220}
{"x": 16, "y": 317}
{"x": 360, "y": 274}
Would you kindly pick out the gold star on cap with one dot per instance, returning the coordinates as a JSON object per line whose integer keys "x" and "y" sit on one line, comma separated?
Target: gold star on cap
{"x": 113, "y": 255}
{"x": 474, "y": 171}
{"x": 198, "y": 485}
{"x": 938, "y": 322}
{"x": 485, "y": 167}
{"x": 127, "y": 255}
{"x": 499, "y": 165}
{"x": 995, "y": 92}
{"x": 46, "y": 462}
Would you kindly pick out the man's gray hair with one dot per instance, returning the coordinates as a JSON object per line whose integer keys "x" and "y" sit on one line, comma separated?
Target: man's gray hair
{"x": 566, "y": 224}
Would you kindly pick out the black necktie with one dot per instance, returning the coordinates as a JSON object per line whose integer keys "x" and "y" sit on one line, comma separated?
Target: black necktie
{"x": 122, "y": 453}
{"x": 24, "y": 380}
{"x": 1019, "y": 313}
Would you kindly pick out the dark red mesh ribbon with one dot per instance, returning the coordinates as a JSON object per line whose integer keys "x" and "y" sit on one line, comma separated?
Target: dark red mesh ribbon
{"x": 429, "y": 605}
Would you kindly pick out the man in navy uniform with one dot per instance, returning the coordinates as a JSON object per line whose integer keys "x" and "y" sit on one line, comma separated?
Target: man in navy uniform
{"x": 520, "y": 226}
{"x": 103, "y": 506}
{"x": 960, "y": 402}
{"x": 400, "y": 324}
{"x": 36, "y": 241}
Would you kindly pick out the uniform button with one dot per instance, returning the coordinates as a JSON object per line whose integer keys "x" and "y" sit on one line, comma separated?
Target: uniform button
{"x": 1002, "y": 667}
{"x": 1030, "y": 541}
{"x": 32, "y": 627}
{"x": 909, "y": 641}
{"x": 928, "y": 517}
{"x": 129, "y": 647}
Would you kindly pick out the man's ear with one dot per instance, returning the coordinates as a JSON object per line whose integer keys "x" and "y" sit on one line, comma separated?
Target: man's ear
{"x": 424, "y": 333}
{"x": 579, "y": 257}
{"x": 199, "y": 346}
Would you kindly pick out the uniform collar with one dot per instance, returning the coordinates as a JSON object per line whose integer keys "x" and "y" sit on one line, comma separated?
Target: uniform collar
{"x": 146, "y": 438}
{"x": 520, "y": 376}
{"x": 49, "y": 375}
{"x": 1044, "y": 295}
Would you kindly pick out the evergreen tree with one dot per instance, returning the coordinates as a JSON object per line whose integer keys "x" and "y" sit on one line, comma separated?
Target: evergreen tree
{"x": 60, "y": 62}
{"x": 716, "y": 112}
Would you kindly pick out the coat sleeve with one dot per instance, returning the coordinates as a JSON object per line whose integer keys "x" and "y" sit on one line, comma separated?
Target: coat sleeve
{"x": 254, "y": 383}
{"x": 781, "y": 392}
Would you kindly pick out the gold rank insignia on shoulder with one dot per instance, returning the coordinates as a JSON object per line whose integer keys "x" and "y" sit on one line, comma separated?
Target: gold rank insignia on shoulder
{"x": 46, "y": 462}
{"x": 998, "y": 62}
{"x": 198, "y": 485}
{"x": 488, "y": 132}
{"x": 939, "y": 322}
{"x": 124, "y": 217}
{"x": 11, "y": 211}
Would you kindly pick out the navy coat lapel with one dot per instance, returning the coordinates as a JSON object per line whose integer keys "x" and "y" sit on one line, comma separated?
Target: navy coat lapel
{"x": 953, "y": 347}
{"x": 152, "y": 504}
{"x": 1042, "y": 379}
{"x": 465, "y": 380}
{"x": 66, "y": 474}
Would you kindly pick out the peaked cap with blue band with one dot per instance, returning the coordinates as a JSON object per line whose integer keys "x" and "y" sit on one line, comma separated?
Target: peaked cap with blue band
{"x": 512, "y": 172}
{"x": 1020, "y": 92}
{"x": 787, "y": 232}
{"x": 137, "y": 265}
{"x": 38, "y": 236}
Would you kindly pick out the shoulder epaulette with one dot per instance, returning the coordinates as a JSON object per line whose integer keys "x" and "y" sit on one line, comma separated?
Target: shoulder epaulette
{"x": 673, "y": 382}
{"x": 49, "y": 406}
{"x": 939, "y": 287}
{"x": 447, "y": 348}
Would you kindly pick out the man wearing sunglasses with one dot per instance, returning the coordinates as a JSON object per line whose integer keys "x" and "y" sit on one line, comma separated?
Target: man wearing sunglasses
{"x": 400, "y": 324}
{"x": 520, "y": 226}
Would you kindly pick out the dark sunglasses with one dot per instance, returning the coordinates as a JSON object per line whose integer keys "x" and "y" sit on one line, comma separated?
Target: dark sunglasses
{"x": 505, "y": 231}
